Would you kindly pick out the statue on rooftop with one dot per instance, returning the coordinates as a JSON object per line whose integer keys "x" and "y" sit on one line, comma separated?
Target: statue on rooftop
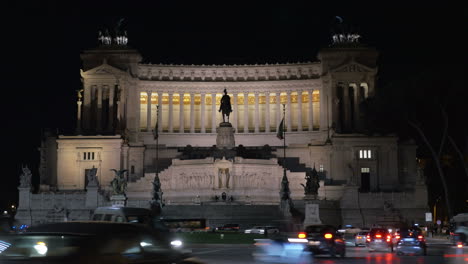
{"x": 225, "y": 106}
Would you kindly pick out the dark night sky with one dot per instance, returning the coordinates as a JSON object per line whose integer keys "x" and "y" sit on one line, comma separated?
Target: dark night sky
{"x": 44, "y": 42}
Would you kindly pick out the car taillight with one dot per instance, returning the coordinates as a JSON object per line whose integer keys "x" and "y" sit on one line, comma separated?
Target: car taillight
{"x": 459, "y": 244}
{"x": 420, "y": 238}
{"x": 328, "y": 235}
{"x": 378, "y": 236}
{"x": 397, "y": 237}
{"x": 368, "y": 238}
{"x": 302, "y": 235}
{"x": 359, "y": 237}
{"x": 389, "y": 238}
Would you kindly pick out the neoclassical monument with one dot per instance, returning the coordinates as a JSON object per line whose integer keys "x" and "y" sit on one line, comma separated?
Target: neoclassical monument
{"x": 364, "y": 180}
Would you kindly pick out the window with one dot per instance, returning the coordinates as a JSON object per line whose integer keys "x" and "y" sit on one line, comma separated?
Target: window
{"x": 321, "y": 168}
{"x": 365, "y": 170}
{"x": 365, "y": 154}
{"x": 88, "y": 155}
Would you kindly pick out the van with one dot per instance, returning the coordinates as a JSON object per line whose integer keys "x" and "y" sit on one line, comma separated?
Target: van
{"x": 129, "y": 215}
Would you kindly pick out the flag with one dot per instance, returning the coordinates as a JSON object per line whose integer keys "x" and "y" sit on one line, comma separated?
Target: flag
{"x": 280, "y": 133}
{"x": 155, "y": 131}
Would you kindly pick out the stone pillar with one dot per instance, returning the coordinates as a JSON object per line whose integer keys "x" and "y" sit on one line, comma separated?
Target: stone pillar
{"x": 78, "y": 118}
{"x": 234, "y": 111}
{"x": 256, "y": 121}
{"x": 246, "y": 112}
{"x": 267, "y": 112}
{"x": 24, "y": 214}
{"x": 278, "y": 109}
{"x": 92, "y": 199}
{"x": 110, "y": 121}
{"x": 160, "y": 104}
{"x": 347, "y": 108}
{"x": 99, "y": 109}
{"x": 311, "y": 111}
{"x": 181, "y": 113}
{"x": 125, "y": 149}
{"x": 171, "y": 113}
{"x": 299, "y": 112}
{"x": 192, "y": 113}
{"x": 118, "y": 200}
{"x": 87, "y": 94}
{"x": 312, "y": 214}
{"x": 288, "y": 111}
{"x": 225, "y": 136}
{"x": 148, "y": 111}
{"x": 202, "y": 112}
{"x": 357, "y": 123}
{"x": 213, "y": 112}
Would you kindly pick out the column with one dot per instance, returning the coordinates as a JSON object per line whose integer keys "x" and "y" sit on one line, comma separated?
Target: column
{"x": 246, "y": 112}
{"x": 299, "y": 113}
{"x": 192, "y": 113}
{"x": 78, "y": 118}
{"x": 110, "y": 121}
{"x": 311, "y": 111}
{"x": 234, "y": 111}
{"x": 267, "y": 112}
{"x": 256, "y": 113}
{"x": 87, "y": 93}
{"x": 202, "y": 113}
{"x": 99, "y": 109}
{"x": 181, "y": 113}
{"x": 288, "y": 111}
{"x": 357, "y": 123}
{"x": 278, "y": 110}
{"x": 160, "y": 104}
{"x": 148, "y": 111}
{"x": 346, "y": 106}
{"x": 213, "y": 112}
{"x": 171, "y": 113}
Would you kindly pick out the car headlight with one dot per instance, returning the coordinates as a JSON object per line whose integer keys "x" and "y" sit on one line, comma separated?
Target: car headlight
{"x": 41, "y": 248}
{"x": 176, "y": 243}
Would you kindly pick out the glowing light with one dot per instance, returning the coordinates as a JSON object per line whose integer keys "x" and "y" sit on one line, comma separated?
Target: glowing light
{"x": 297, "y": 240}
{"x": 41, "y": 248}
{"x": 144, "y": 244}
{"x": 302, "y": 235}
{"x": 378, "y": 236}
{"x": 328, "y": 235}
{"x": 176, "y": 243}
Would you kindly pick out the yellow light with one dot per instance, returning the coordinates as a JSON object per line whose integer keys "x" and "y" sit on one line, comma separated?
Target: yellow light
{"x": 328, "y": 235}
{"x": 301, "y": 235}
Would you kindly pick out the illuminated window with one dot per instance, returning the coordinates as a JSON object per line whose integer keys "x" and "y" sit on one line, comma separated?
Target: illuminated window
{"x": 365, "y": 154}
{"x": 365, "y": 170}
{"x": 321, "y": 168}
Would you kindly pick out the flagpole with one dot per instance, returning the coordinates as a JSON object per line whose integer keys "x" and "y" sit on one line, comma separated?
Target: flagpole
{"x": 284, "y": 139}
{"x": 157, "y": 138}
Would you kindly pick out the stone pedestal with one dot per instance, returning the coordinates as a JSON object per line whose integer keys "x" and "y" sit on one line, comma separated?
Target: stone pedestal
{"x": 225, "y": 136}
{"x": 312, "y": 216}
{"x": 92, "y": 197}
{"x": 118, "y": 200}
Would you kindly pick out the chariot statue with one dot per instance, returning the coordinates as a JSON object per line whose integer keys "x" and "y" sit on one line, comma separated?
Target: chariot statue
{"x": 119, "y": 183}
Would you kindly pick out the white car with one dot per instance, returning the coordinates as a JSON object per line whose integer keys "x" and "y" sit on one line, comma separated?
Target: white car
{"x": 261, "y": 230}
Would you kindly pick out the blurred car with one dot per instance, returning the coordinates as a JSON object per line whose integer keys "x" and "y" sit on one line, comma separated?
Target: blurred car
{"x": 91, "y": 242}
{"x": 262, "y": 230}
{"x": 282, "y": 250}
{"x": 324, "y": 239}
{"x": 379, "y": 239}
{"x": 360, "y": 239}
{"x": 411, "y": 246}
{"x": 228, "y": 227}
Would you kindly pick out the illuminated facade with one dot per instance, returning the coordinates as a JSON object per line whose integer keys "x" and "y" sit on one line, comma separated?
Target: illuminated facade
{"x": 116, "y": 116}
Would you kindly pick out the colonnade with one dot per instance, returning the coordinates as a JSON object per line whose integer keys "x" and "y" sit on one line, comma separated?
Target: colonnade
{"x": 257, "y": 112}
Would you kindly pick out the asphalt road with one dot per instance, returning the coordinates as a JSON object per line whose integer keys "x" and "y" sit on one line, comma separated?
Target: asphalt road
{"x": 438, "y": 252}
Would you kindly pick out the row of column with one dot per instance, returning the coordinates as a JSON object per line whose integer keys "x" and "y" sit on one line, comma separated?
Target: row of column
{"x": 98, "y": 93}
{"x": 234, "y": 114}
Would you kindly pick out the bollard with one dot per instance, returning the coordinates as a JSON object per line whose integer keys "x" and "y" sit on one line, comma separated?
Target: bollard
{"x": 221, "y": 236}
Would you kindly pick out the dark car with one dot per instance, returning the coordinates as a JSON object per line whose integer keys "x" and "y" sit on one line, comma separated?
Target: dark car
{"x": 228, "y": 227}
{"x": 379, "y": 239}
{"x": 90, "y": 242}
{"x": 324, "y": 239}
{"x": 411, "y": 246}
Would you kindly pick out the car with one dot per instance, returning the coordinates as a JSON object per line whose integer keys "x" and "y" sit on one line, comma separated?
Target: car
{"x": 324, "y": 239}
{"x": 411, "y": 246}
{"x": 91, "y": 242}
{"x": 379, "y": 239}
{"x": 228, "y": 227}
{"x": 133, "y": 215}
{"x": 262, "y": 229}
{"x": 281, "y": 250}
{"x": 360, "y": 239}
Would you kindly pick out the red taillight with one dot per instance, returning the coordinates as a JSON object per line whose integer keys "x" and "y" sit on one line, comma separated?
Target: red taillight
{"x": 302, "y": 235}
{"x": 328, "y": 235}
{"x": 420, "y": 238}
{"x": 397, "y": 237}
{"x": 378, "y": 236}
{"x": 389, "y": 238}
{"x": 459, "y": 245}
